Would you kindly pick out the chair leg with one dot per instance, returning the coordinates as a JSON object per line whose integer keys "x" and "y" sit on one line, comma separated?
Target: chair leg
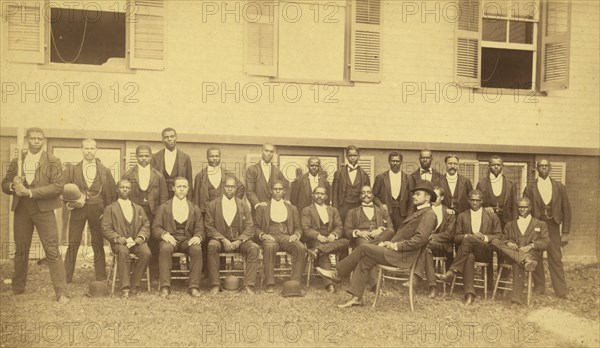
{"x": 310, "y": 266}
{"x": 529, "y": 289}
{"x": 148, "y": 278}
{"x": 443, "y": 267}
{"x": 452, "y": 286}
{"x": 114, "y": 276}
{"x": 411, "y": 290}
{"x": 378, "y": 286}
{"x": 500, "y": 269}
{"x": 485, "y": 280}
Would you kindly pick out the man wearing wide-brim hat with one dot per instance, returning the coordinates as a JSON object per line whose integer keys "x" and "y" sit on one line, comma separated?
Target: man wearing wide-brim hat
{"x": 399, "y": 252}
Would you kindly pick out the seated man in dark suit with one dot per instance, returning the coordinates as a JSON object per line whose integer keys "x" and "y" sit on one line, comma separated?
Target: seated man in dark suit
{"x": 476, "y": 228}
{"x": 322, "y": 228}
{"x": 126, "y": 227}
{"x": 523, "y": 242}
{"x": 180, "y": 228}
{"x": 229, "y": 226}
{"x": 367, "y": 223}
{"x": 400, "y": 251}
{"x": 278, "y": 227}
{"x": 441, "y": 239}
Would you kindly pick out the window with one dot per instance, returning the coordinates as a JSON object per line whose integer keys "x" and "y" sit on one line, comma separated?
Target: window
{"x": 340, "y": 40}
{"x": 514, "y": 44}
{"x": 120, "y": 33}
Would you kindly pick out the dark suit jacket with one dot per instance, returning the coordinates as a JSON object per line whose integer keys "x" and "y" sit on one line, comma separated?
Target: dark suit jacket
{"x": 257, "y": 188}
{"x": 445, "y": 233}
{"x": 339, "y": 184}
{"x": 157, "y": 188}
{"x": 74, "y": 174}
{"x": 47, "y": 186}
{"x": 536, "y": 233}
{"x": 413, "y": 234}
{"x": 113, "y": 223}
{"x": 164, "y": 222}
{"x": 201, "y": 183}
{"x": 311, "y": 221}
{"x": 461, "y": 193}
{"x": 216, "y": 227}
{"x": 561, "y": 208}
{"x": 353, "y": 220}
{"x": 184, "y": 167}
{"x": 510, "y": 197}
{"x": 301, "y": 194}
{"x": 382, "y": 190}
{"x": 415, "y": 177}
{"x": 490, "y": 226}
{"x": 263, "y": 220}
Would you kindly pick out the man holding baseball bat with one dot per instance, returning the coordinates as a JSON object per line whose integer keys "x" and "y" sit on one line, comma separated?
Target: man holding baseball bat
{"x": 36, "y": 184}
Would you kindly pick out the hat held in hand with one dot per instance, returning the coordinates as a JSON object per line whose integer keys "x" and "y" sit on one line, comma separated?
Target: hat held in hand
{"x": 73, "y": 196}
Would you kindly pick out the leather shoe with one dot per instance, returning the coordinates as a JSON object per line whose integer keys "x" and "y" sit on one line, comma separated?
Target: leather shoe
{"x": 165, "y": 291}
{"x": 469, "y": 299}
{"x": 530, "y": 265}
{"x": 313, "y": 253}
{"x": 354, "y": 301}
{"x": 247, "y": 289}
{"x": 446, "y": 277}
{"x": 194, "y": 292}
{"x": 330, "y": 288}
{"x": 63, "y": 299}
{"x": 270, "y": 289}
{"x": 125, "y": 293}
{"x": 214, "y": 290}
{"x": 433, "y": 292}
{"x": 329, "y": 274}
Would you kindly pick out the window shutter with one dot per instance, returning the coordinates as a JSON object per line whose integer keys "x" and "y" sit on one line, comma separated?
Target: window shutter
{"x": 261, "y": 38}
{"x": 554, "y": 45}
{"x": 130, "y": 159}
{"x": 24, "y": 32}
{"x": 468, "y": 43}
{"x": 147, "y": 34}
{"x": 365, "y": 51}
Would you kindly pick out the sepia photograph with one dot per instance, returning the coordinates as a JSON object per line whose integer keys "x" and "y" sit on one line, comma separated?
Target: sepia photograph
{"x": 302, "y": 173}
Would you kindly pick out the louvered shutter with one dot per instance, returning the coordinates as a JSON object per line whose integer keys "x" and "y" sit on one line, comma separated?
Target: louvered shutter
{"x": 554, "y": 45}
{"x": 24, "y": 31}
{"x": 467, "y": 58}
{"x": 366, "y": 41}
{"x": 261, "y": 38}
{"x": 558, "y": 172}
{"x": 367, "y": 163}
{"x": 146, "y": 19}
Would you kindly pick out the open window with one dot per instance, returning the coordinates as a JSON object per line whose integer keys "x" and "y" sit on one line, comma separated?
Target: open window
{"x": 513, "y": 44}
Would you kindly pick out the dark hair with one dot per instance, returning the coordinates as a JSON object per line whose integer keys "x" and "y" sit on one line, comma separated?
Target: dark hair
{"x": 143, "y": 147}
{"x": 495, "y": 157}
{"x": 441, "y": 189}
{"x": 34, "y": 130}
{"x": 452, "y": 155}
{"x": 168, "y": 129}
{"x": 395, "y": 154}
{"x": 275, "y": 182}
{"x": 476, "y": 192}
{"x": 352, "y": 147}
{"x": 212, "y": 149}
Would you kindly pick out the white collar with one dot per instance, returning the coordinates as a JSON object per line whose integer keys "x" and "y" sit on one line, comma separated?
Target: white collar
{"x": 478, "y": 212}
{"x": 213, "y": 170}
{"x": 437, "y": 207}
{"x": 177, "y": 201}
{"x": 423, "y": 206}
{"x": 30, "y": 156}
{"x": 351, "y": 166}
{"x": 313, "y": 176}
{"x": 527, "y": 219}
{"x": 494, "y": 178}
{"x": 546, "y": 181}
{"x": 452, "y": 177}
{"x": 225, "y": 199}
{"x": 123, "y": 201}
{"x": 145, "y": 169}
{"x": 167, "y": 151}
{"x": 395, "y": 174}
{"x": 264, "y": 164}
{"x": 275, "y": 202}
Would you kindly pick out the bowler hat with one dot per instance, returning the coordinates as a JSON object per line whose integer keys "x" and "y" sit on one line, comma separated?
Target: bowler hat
{"x": 97, "y": 288}
{"x": 231, "y": 283}
{"x": 71, "y": 193}
{"x": 426, "y": 186}
{"x": 292, "y": 288}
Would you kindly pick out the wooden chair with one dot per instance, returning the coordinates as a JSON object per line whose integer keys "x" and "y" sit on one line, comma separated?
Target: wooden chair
{"x": 480, "y": 282}
{"x": 507, "y": 284}
{"x": 439, "y": 266}
{"x": 310, "y": 266}
{"x": 229, "y": 265}
{"x": 180, "y": 269}
{"x": 401, "y": 275}
{"x": 111, "y": 279}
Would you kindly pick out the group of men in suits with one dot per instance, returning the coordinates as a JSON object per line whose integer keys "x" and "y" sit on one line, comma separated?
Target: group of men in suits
{"x": 155, "y": 210}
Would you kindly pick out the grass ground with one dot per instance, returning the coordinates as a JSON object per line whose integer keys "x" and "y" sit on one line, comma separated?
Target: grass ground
{"x": 234, "y": 319}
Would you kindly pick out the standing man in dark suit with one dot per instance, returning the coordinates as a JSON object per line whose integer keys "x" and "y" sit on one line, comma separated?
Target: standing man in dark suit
{"x": 456, "y": 186}
{"x": 149, "y": 190}
{"x": 391, "y": 190}
{"x": 440, "y": 243}
{"x": 172, "y": 162}
{"x": 261, "y": 176}
{"x": 347, "y": 183}
{"x": 97, "y": 183}
{"x": 400, "y": 251}
{"x": 180, "y": 228}
{"x": 302, "y": 196}
{"x": 551, "y": 205}
{"x": 425, "y": 172}
{"x": 323, "y": 230}
{"x": 208, "y": 184}
{"x": 476, "y": 228}
{"x": 367, "y": 223}
{"x": 523, "y": 242}
{"x": 229, "y": 226}
{"x": 278, "y": 227}
{"x": 499, "y": 193}
{"x": 36, "y": 191}
{"x": 126, "y": 227}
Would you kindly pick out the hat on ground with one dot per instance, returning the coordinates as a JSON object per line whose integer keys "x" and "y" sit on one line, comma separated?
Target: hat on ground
{"x": 97, "y": 288}
{"x": 292, "y": 288}
{"x": 231, "y": 283}
{"x": 426, "y": 186}
{"x": 71, "y": 193}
